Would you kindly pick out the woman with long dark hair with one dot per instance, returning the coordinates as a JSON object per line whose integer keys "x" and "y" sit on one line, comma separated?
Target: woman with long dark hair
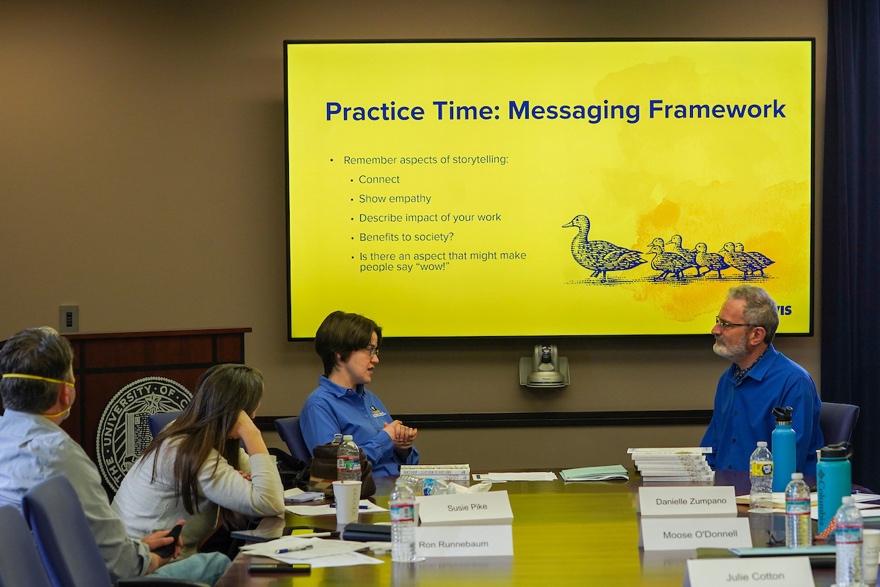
{"x": 196, "y": 470}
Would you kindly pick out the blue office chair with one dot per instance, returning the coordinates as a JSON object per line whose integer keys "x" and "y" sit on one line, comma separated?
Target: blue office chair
{"x": 20, "y": 563}
{"x": 158, "y": 421}
{"x": 290, "y": 432}
{"x": 66, "y": 543}
{"x": 837, "y": 422}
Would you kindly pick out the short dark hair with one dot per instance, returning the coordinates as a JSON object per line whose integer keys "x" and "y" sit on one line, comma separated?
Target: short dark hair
{"x": 35, "y": 351}
{"x": 343, "y": 333}
{"x": 760, "y": 309}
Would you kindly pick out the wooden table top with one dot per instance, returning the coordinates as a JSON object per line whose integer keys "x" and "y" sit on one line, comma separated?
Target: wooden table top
{"x": 584, "y": 533}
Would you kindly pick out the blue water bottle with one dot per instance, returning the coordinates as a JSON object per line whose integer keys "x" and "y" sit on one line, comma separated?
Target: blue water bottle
{"x": 782, "y": 442}
{"x": 833, "y": 481}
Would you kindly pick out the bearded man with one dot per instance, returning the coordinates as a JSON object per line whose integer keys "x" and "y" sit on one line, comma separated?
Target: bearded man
{"x": 759, "y": 379}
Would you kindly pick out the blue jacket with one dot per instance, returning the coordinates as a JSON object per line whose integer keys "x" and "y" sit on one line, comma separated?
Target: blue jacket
{"x": 333, "y": 409}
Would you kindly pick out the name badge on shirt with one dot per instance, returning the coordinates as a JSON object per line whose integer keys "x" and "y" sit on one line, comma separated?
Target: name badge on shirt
{"x": 377, "y": 413}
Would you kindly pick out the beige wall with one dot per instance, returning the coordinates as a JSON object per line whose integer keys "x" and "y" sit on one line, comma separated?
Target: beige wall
{"x": 142, "y": 178}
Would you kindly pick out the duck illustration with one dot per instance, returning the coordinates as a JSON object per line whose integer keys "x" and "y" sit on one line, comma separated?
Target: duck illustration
{"x": 711, "y": 261}
{"x": 599, "y": 256}
{"x": 666, "y": 263}
{"x": 758, "y": 257}
{"x": 689, "y": 255}
{"x": 740, "y": 260}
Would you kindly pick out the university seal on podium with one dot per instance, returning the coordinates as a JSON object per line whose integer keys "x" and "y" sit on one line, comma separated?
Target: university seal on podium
{"x": 124, "y": 431}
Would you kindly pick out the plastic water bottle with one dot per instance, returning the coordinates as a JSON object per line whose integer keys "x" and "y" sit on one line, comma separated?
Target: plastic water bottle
{"x": 348, "y": 460}
{"x": 402, "y": 504}
{"x": 761, "y": 473}
{"x": 848, "y": 536}
{"x": 425, "y": 486}
{"x": 782, "y": 441}
{"x": 798, "y": 528}
{"x": 432, "y": 486}
{"x": 833, "y": 481}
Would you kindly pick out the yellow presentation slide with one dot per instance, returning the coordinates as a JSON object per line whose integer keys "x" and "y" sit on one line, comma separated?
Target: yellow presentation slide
{"x": 548, "y": 188}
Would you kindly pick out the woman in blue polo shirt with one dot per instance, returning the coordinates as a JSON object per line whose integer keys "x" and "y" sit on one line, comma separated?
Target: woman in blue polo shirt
{"x": 348, "y": 345}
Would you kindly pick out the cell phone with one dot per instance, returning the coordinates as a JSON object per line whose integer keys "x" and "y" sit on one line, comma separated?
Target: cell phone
{"x": 299, "y": 568}
{"x": 168, "y": 550}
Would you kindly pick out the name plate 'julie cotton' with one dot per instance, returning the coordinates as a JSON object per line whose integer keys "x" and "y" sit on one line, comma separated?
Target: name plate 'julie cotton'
{"x": 793, "y": 571}
{"x": 466, "y": 509}
{"x": 455, "y": 541}
{"x": 687, "y": 501}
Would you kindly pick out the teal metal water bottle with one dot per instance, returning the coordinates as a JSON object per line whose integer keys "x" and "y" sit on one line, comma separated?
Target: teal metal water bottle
{"x": 833, "y": 481}
{"x": 783, "y": 448}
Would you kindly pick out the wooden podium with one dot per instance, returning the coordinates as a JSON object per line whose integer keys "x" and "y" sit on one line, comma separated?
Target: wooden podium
{"x": 105, "y": 363}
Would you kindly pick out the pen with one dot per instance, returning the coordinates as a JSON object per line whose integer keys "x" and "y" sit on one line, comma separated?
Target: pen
{"x": 283, "y": 550}
{"x": 363, "y": 507}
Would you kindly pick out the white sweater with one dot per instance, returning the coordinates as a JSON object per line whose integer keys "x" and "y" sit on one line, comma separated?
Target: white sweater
{"x": 147, "y": 506}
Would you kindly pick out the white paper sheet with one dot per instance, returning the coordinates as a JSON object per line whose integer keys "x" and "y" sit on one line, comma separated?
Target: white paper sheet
{"x": 326, "y": 510}
{"x": 321, "y": 553}
{"x": 503, "y": 477}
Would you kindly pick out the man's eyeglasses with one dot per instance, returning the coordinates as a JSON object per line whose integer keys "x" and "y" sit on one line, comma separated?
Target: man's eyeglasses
{"x": 724, "y": 325}
{"x": 374, "y": 351}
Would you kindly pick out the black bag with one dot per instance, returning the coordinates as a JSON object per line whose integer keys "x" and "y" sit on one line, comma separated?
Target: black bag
{"x": 293, "y": 472}
{"x": 322, "y": 471}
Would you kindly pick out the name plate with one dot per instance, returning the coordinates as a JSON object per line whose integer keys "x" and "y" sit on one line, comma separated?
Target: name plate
{"x": 687, "y": 501}
{"x": 467, "y": 509}
{"x": 690, "y": 533}
{"x": 790, "y": 571}
{"x": 440, "y": 541}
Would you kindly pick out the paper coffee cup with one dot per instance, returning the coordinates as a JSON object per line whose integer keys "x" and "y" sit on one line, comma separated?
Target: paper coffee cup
{"x": 870, "y": 555}
{"x": 348, "y": 496}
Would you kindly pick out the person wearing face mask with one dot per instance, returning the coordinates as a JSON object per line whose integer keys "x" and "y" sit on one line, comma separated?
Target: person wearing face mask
{"x": 759, "y": 379}
{"x": 38, "y": 389}
{"x": 348, "y": 345}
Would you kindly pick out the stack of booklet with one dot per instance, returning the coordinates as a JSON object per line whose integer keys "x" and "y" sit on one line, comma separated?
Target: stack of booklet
{"x": 686, "y": 464}
{"x": 606, "y": 473}
{"x": 444, "y": 472}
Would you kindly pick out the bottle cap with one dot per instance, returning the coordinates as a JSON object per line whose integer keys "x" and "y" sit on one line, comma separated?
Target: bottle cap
{"x": 762, "y": 443}
{"x": 848, "y": 499}
{"x": 347, "y": 437}
{"x": 833, "y": 451}
{"x": 783, "y": 415}
{"x": 797, "y": 476}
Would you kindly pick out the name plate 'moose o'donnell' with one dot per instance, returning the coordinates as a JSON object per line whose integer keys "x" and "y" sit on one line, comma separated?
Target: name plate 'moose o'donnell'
{"x": 469, "y": 509}
{"x": 663, "y": 533}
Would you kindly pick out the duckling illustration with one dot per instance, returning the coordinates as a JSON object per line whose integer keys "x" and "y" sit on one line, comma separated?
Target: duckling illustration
{"x": 689, "y": 255}
{"x": 711, "y": 261}
{"x": 758, "y": 257}
{"x": 599, "y": 256}
{"x": 740, "y": 261}
{"x": 666, "y": 263}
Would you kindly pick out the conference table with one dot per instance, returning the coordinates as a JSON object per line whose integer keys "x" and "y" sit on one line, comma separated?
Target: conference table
{"x": 575, "y": 533}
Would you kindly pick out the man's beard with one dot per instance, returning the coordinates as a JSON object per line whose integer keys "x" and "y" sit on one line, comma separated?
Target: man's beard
{"x": 731, "y": 352}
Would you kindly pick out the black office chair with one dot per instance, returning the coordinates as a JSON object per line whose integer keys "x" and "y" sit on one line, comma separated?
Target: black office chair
{"x": 837, "y": 422}
{"x": 158, "y": 421}
{"x": 65, "y": 541}
{"x": 290, "y": 432}
{"x": 20, "y": 563}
